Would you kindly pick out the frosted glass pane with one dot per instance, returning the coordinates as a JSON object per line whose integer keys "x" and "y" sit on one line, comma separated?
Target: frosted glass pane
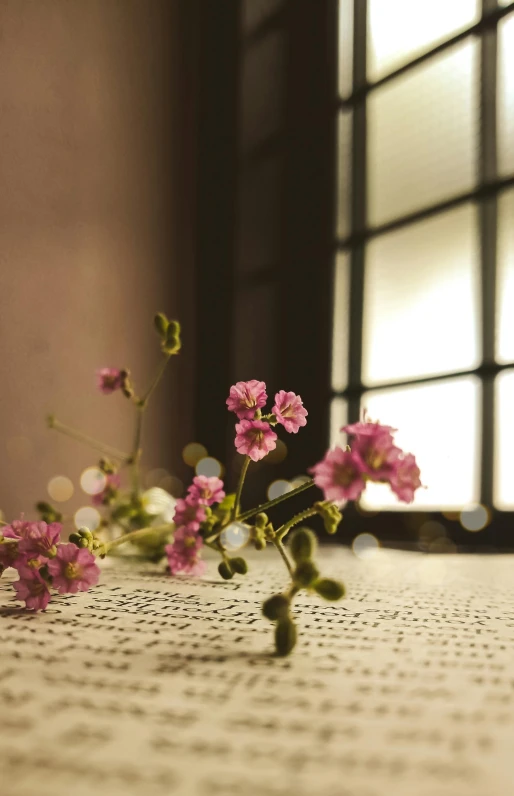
{"x": 439, "y": 424}
{"x": 505, "y": 286}
{"x": 400, "y": 30}
{"x": 340, "y": 323}
{"x": 338, "y": 418}
{"x": 421, "y": 299}
{"x": 506, "y": 95}
{"x": 344, "y": 124}
{"x": 345, "y": 46}
{"x": 422, "y": 135}
{"x": 504, "y": 441}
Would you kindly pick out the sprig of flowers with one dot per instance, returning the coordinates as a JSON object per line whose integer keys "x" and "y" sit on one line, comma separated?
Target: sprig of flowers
{"x": 45, "y": 563}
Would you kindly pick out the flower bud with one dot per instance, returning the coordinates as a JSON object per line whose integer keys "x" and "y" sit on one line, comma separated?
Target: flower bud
{"x": 172, "y": 344}
{"x": 276, "y": 607}
{"x": 302, "y": 545}
{"x": 238, "y": 565}
{"x": 330, "y": 514}
{"x": 106, "y": 466}
{"x": 305, "y": 574}
{"x": 285, "y": 636}
{"x": 329, "y": 589}
{"x": 161, "y": 324}
{"x": 261, "y": 520}
{"x": 225, "y": 571}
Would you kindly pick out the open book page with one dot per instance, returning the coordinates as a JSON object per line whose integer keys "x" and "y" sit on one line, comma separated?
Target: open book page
{"x": 158, "y": 686}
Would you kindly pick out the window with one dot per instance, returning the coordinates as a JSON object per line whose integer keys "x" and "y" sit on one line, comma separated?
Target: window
{"x": 423, "y": 290}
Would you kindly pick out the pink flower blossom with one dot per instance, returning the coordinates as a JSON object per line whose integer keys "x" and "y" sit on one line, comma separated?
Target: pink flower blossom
{"x": 39, "y": 539}
{"x": 112, "y": 484}
{"x": 189, "y": 513}
{"x": 255, "y": 438}
{"x": 405, "y": 478}
{"x": 246, "y": 397}
{"x": 109, "y": 379}
{"x": 183, "y": 554}
{"x": 290, "y": 411}
{"x": 73, "y": 569}
{"x": 32, "y": 588}
{"x": 18, "y": 529}
{"x": 375, "y": 446}
{"x": 340, "y": 475}
{"x": 206, "y": 491}
{"x": 8, "y": 554}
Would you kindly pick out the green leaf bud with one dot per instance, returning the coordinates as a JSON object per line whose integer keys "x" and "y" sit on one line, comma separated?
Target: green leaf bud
{"x": 74, "y": 538}
{"x": 329, "y": 589}
{"x": 238, "y": 565}
{"x": 305, "y": 574}
{"x": 161, "y": 324}
{"x": 302, "y": 545}
{"x": 172, "y": 343}
{"x": 330, "y": 514}
{"x": 260, "y": 520}
{"x": 285, "y": 636}
{"x": 225, "y": 571}
{"x": 276, "y": 607}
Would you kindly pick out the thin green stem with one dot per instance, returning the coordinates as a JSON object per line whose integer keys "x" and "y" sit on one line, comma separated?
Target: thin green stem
{"x": 242, "y": 477}
{"x": 134, "y": 536}
{"x": 270, "y": 503}
{"x": 286, "y": 527}
{"x": 107, "y": 450}
{"x": 136, "y": 451}
{"x": 280, "y": 547}
{"x": 158, "y": 376}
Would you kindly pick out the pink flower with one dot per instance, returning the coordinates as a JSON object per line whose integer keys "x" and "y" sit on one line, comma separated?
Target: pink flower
{"x": 246, "y": 397}
{"x": 206, "y": 491}
{"x": 183, "y": 553}
{"x": 73, "y": 569}
{"x": 39, "y": 539}
{"x": 32, "y": 588}
{"x": 405, "y": 478}
{"x": 255, "y": 438}
{"x": 289, "y": 410}
{"x": 103, "y": 498}
{"x": 189, "y": 513}
{"x": 18, "y": 529}
{"x": 340, "y": 475}
{"x": 375, "y": 446}
{"x": 109, "y": 379}
{"x": 8, "y": 554}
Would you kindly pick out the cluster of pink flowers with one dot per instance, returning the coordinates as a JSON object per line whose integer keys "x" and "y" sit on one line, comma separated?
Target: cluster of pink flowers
{"x": 373, "y": 456}
{"x": 110, "y": 379}
{"x": 254, "y": 436}
{"x": 43, "y": 562}
{"x": 185, "y": 550}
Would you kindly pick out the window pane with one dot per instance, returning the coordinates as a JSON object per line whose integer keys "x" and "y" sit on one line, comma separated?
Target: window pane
{"x": 340, "y": 323}
{"x": 422, "y": 135}
{"x": 338, "y": 418}
{"x": 345, "y": 46}
{"x": 506, "y": 95}
{"x": 344, "y": 124}
{"x": 504, "y": 441}
{"x": 505, "y": 287}
{"x": 261, "y": 98}
{"x": 421, "y": 306}
{"x": 400, "y": 30}
{"x": 439, "y": 424}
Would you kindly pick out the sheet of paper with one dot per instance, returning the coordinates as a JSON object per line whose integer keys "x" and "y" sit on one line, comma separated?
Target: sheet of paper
{"x": 158, "y": 686}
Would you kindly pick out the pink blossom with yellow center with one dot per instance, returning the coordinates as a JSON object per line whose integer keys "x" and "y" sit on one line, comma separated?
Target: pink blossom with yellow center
{"x": 246, "y": 397}
{"x": 290, "y": 411}
{"x": 255, "y": 438}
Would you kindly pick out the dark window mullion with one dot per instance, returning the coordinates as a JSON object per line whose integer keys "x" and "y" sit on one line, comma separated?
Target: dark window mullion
{"x": 488, "y": 222}
{"x": 358, "y": 212}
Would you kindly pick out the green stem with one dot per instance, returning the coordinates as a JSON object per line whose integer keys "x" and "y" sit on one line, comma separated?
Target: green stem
{"x": 136, "y": 451}
{"x": 269, "y": 505}
{"x": 286, "y": 527}
{"x": 133, "y": 536}
{"x": 280, "y": 547}
{"x": 107, "y": 450}
{"x": 158, "y": 376}
{"x": 242, "y": 477}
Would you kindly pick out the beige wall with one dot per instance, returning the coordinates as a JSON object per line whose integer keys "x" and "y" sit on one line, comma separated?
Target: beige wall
{"x": 88, "y": 247}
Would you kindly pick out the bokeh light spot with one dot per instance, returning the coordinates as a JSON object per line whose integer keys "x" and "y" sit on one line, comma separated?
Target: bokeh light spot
{"x": 235, "y": 536}
{"x": 278, "y": 488}
{"x": 173, "y": 485}
{"x": 193, "y": 452}
{"x": 60, "y": 488}
{"x": 208, "y": 466}
{"x": 87, "y": 517}
{"x": 298, "y": 480}
{"x": 278, "y": 454}
{"x": 154, "y": 477}
{"x": 93, "y": 481}
{"x": 474, "y": 518}
{"x": 365, "y": 546}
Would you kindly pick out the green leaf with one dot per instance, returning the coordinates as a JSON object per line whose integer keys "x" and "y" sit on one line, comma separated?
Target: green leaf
{"x": 225, "y": 571}
{"x": 285, "y": 636}
{"x": 302, "y": 544}
{"x": 305, "y": 574}
{"x": 238, "y": 565}
{"x": 276, "y": 607}
{"x": 329, "y": 589}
